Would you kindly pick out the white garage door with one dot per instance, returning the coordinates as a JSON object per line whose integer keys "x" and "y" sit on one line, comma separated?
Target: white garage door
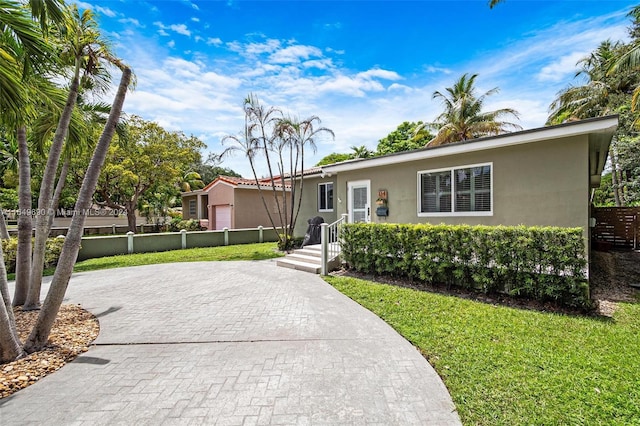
{"x": 223, "y": 217}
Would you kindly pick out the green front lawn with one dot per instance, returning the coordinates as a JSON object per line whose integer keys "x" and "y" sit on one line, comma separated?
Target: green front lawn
{"x": 258, "y": 251}
{"x": 513, "y": 367}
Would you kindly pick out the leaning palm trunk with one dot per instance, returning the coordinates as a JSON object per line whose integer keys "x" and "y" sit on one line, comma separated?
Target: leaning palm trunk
{"x": 34, "y": 290}
{"x": 9, "y": 343}
{"x": 4, "y": 291}
{"x": 23, "y": 257}
{"x": 40, "y": 332}
{"x": 615, "y": 178}
{"x": 45, "y": 199}
{"x": 4, "y": 232}
{"x": 58, "y": 193}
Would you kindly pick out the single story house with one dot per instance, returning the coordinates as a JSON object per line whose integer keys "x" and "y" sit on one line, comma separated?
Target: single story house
{"x": 538, "y": 177}
{"x": 232, "y": 202}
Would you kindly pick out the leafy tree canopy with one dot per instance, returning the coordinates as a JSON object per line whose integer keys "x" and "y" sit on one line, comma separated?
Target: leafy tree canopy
{"x": 151, "y": 161}
{"x": 404, "y": 138}
{"x": 334, "y": 157}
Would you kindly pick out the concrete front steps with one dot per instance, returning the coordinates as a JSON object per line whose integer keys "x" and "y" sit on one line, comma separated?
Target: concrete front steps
{"x": 308, "y": 259}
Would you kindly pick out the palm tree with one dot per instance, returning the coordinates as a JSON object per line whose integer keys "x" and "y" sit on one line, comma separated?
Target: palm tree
{"x": 630, "y": 60}
{"x": 191, "y": 181}
{"x": 23, "y": 50}
{"x": 463, "y": 117}
{"x": 603, "y": 93}
{"x": 84, "y": 48}
{"x": 361, "y": 152}
{"x": 251, "y": 142}
{"x": 299, "y": 136}
{"x": 40, "y": 332}
{"x": 592, "y": 99}
{"x": 23, "y": 54}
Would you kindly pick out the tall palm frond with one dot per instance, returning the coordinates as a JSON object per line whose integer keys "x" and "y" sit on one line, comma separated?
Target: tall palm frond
{"x": 45, "y": 11}
{"x": 8, "y": 154}
{"x": 23, "y": 49}
{"x": 463, "y": 117}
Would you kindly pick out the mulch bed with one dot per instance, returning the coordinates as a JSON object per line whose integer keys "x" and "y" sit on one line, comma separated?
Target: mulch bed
{"x": 72, "y": 333}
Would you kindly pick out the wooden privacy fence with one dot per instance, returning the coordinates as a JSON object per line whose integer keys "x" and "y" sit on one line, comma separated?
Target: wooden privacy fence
{"x": 616, "y": 227}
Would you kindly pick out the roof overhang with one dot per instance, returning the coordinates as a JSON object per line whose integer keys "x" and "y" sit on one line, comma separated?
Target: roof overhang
{"x": 262, "y": 187}
{"x": 599, "y": 130}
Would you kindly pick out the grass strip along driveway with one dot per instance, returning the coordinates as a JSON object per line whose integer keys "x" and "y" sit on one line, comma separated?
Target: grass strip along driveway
{"x": 512, "y": 366}
{"x": 258, "y": 251}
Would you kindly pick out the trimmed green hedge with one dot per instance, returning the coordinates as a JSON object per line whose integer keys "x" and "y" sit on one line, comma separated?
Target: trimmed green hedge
{"x": 51, "y": 254}
{"x": 534, "y": 262}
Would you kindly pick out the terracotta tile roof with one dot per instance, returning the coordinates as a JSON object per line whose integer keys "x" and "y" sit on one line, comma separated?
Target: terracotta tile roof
{"x": 232, "y": 180}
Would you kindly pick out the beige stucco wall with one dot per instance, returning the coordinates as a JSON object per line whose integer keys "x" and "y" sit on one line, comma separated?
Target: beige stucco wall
{"x": 309, "y": 207}
{"x": 537, "y": 184}
{"x": 249, "y": 211}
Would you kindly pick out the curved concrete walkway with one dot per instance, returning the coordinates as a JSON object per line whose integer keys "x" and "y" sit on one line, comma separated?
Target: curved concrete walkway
{"x": 233, "y": 343}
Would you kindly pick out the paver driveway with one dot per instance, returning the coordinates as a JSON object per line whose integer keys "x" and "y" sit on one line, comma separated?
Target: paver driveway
{"x": 232, "y": 343}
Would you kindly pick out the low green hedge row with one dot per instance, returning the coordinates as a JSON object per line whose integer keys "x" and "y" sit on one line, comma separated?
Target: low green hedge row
{"x": 543, "y": 263}
{"x": 178, "y": 224}
{"x": 51, "y": 254}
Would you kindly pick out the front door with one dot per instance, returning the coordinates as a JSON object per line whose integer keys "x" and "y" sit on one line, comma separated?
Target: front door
{"x": 359, "y": 201}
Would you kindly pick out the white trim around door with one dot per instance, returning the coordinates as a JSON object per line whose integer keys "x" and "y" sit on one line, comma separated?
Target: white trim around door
{"x": 359, "y": 201}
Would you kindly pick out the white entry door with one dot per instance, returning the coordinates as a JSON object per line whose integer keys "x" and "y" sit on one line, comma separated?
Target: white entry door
{"x": 359, "y": 201}
{"x": 223, "y": 217}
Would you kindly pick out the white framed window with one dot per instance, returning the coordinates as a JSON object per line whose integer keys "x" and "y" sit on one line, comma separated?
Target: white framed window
{"x": 456, "y": 191}
{"x": 325, "y": 197}
{"x": 192, "y": 208}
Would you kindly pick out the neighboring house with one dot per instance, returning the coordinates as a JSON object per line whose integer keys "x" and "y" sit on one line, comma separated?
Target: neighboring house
{"x": 231, "y": 202}
{"x": 539, "y": 177}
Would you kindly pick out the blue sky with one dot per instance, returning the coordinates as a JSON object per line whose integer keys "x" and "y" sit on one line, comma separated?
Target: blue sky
{"x": 363, "y": 67}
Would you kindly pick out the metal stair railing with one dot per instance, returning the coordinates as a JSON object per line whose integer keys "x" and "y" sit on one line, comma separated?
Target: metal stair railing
{"x": 330, "y": 242}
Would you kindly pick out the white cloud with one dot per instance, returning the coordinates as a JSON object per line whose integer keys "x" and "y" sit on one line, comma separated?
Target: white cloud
{"x": 195, "y": 19}
{"x": 294, "y": 54}
{"x": 399, "y": 88}
{"x": 105, "y": 11}
{"x": 171, "y": 44}
{"x": 268, "y": 46}
{"x": 435, "y": 69}
{"x": 561, "y": 68}
{"x": 131, "y": 21}
{"x": 180, "y": 29}
{"x": 379, "y": 73}
{"x": 322, "y": 64}
{"x": 176, "y": 28}
{"x": 214, "y": 41}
